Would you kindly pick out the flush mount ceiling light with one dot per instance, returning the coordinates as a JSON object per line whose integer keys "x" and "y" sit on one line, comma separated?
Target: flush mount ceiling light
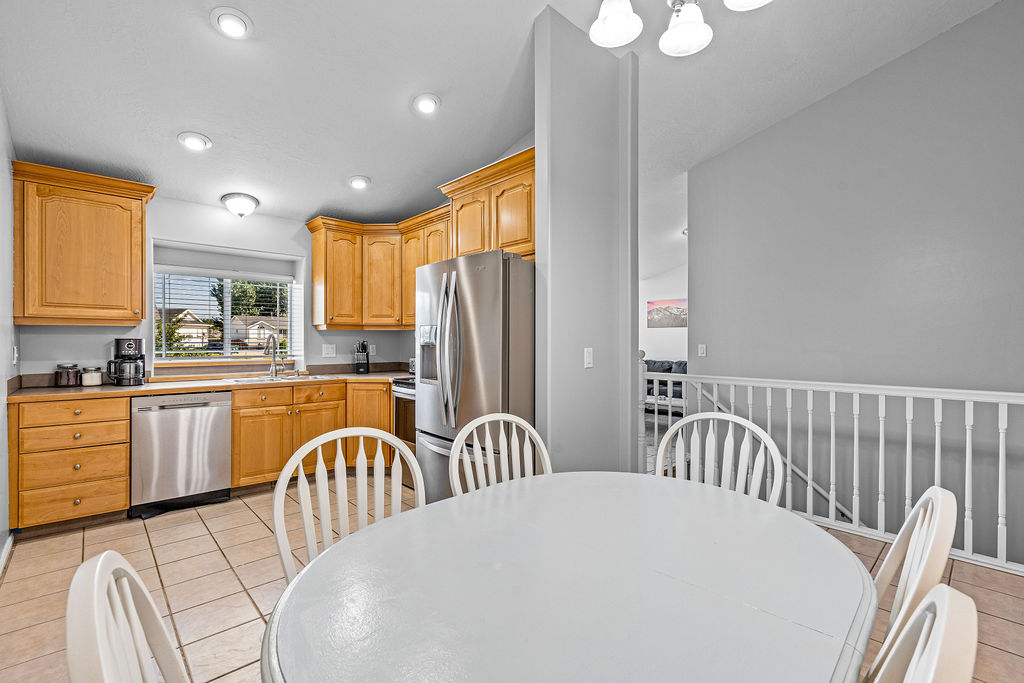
{"x": 231, "y": 22}
{"x": 745, "y": 5}
{"x": 427, "y": 103}
{"x": 240, "y": 204}
{"x": 687, "y": 32}
{"x": 196, "y": 142}
{"x": 359, "y": 182}
{"x": 617, "y": 24}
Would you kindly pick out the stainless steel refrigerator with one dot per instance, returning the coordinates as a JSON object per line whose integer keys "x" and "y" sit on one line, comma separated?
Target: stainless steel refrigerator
{"x": 474, "y": 351}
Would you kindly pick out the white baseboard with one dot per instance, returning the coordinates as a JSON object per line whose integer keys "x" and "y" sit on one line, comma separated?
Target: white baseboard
{"x": 5, "y": 552}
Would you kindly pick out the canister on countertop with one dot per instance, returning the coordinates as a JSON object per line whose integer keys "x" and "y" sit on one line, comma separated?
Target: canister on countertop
{"x": 92, "y": 377}
{"x": 67, "y": 375}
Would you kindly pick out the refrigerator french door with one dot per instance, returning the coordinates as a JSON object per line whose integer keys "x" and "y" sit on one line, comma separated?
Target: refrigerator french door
{"x": 474, "y": 351}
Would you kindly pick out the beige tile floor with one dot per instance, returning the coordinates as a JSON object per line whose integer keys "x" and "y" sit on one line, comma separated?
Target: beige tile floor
{"x": 213, "y": 572}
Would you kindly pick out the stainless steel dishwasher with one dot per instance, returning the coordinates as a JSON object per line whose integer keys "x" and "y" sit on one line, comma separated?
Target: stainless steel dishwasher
{"x": 181, "y": 451}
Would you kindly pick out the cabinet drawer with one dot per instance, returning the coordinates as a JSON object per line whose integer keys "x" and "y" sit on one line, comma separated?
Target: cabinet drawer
{"x": 255, "y": 398}
{"x": 58, "y": 503}
{"x": 72, "y": 466}
{"x": 36, "y": 439}
{"x": 73, "y": 412}
{"x": 313, "y": 393}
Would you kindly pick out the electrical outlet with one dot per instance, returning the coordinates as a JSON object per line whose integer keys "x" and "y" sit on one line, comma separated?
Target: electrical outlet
{"x": 329, "y": 350}
{"x": 373, "y": 349}
{"x": 588, "y": 358}
{"x": 702, "y": 350}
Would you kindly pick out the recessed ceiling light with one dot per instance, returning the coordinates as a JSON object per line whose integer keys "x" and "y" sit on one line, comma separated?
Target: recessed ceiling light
{"x": 359, "y": 182}
{"x": 240, "y": 204}
{"x": 196, "y": 142}
{"x": 427, "y": 103}
{"x": 231, "y": 22}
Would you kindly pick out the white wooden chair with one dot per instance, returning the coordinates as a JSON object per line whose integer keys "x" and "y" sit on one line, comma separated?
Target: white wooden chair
{"x": 114, "y": 631}
{"x": 700, "y": 462}
{"x": 293, "y": 468}
{"x": 513, "y": 458}
{"x": 937, "y": 645}
{"x": 922, "y": 548}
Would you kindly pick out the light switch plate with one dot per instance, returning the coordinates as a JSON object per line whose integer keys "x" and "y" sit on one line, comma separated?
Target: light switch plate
{"x": 702, "y": 350}
{"x": 329, "y": 350}
{"x": 373, "y": 349}
{"x": 588, "y": 358}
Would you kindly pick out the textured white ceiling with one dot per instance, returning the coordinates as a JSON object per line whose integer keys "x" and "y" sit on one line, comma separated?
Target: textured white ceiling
{"x": 322, "y": 91}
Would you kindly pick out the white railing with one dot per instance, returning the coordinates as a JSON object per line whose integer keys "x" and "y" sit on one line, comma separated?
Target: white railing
{"x": 857, "y": 456}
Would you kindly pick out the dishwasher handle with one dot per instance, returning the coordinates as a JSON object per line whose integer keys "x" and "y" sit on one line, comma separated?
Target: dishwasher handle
{"x": 173, "y": 406}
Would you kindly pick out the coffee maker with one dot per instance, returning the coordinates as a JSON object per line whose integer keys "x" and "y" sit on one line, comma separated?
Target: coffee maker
{"x": 129, "y": 365}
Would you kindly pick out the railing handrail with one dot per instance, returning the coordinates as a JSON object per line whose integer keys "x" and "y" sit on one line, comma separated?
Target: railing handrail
{"x": 927, "y": 393}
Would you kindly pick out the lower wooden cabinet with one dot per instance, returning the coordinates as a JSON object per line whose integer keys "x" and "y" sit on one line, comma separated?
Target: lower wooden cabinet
{"x": 312, "y": 420}
{"x": 59, "y": 503}
{"x": 369, "y": 405}
{"x": 261, "y": 441}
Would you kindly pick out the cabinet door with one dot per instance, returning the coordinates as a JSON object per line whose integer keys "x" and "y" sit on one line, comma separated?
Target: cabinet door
{"x": 83, "y": 255}
{"x": 368, "y": 404}
{"x": 435, "y": 242}
{"x": 344, "y": 278}
{"x": 382, "y": 270}
{"x": 412, "y": 258}
{"x": 471, "y": 231}
{"x": 261, "y": 443}
{"x": 313, "y": 420}
{"x": 512, "y": 214}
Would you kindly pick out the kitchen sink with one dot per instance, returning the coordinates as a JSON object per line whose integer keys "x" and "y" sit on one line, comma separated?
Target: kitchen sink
{"x": 289, "y": 378}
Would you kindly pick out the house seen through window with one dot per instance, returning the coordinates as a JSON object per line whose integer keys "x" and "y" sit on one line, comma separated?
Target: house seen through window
{"x": 199, "y": 316}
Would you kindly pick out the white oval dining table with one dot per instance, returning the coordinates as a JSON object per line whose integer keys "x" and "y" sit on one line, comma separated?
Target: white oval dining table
{"x": 578, "y": 576}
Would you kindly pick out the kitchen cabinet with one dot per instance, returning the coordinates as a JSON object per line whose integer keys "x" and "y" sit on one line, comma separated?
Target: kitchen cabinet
{"x": 261, "y": 442}
{"x": 494, "y": 208}
{"x": 413, "y": 255}
{"x": 67, "y": 459}
{"x": 382, "y": 289}
{"x": 337, "y": 274}
{"x": 435, "y": 241}
{"x": 424, "y": 241}
{"x": 368, "y": 405}
{"x": 312, "y": 420}
{"x": 79, "y": 256}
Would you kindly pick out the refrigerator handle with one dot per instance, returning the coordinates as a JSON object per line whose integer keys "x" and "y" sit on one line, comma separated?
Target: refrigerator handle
{"x": 439, "y": 355}
{"x": 449, "y": 310}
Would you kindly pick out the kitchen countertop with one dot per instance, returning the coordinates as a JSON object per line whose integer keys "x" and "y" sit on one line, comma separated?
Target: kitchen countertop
{"x": 34, "y": 394}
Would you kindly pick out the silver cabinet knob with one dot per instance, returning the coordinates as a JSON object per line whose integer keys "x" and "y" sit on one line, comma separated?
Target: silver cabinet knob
{"x": 263, "y": 398}
{"x": 78, "y": 501}
{"x": 78, "y": 411}
{"x": 332, "y": 317}
{"x": 321, "y": 393}
{"x": 136, "y": 311}
{"x": 78, "y": 435}
{"x": 296, "y": 411}
{"x": 289, "y": 412}
{"x": 78, "y": 466}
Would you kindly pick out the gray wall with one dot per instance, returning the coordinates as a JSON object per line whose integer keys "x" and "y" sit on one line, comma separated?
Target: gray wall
{"x": 875, "y": 236}
{"x": 171, "y": 219}
{"x": 586, "y": 247}
{"x": 8, "y": 333}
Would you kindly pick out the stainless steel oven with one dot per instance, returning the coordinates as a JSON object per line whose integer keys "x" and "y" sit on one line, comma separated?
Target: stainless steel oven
{"x": 403, "y": 391}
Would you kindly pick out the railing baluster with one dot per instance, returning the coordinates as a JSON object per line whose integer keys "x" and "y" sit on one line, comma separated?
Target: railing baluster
{"x": 1001, "y": 511}
{"x": 938, "y": 442}
{"x": 772, "y": 474}
{"x": 750, "y": 403}
{"x": 810, "y": 452}
{"x": 856, "y": 460}
{"x": 969, "y": 477}
{"x": 832, "y": 456}
{"x": 908, "y": 489}
{"x": 700, "y": 397}
{"x": 881, "y": 463}
{"x": 789, "y": 449}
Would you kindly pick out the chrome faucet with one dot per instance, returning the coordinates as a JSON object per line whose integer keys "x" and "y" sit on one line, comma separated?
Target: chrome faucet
{"x": 270, "y": 348}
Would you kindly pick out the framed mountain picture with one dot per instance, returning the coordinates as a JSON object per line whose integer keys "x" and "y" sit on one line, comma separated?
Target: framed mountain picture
{"x": 666, "y": 313}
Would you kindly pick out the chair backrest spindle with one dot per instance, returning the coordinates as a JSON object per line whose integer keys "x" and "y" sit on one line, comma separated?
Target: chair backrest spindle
{"x": 479, "y": 464}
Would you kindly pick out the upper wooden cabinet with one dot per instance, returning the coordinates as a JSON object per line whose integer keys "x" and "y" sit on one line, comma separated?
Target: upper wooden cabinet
{"x": 382, "y": 287}
{"x": 413, "y": 254}
{"x": 337, "y": 273}
{"x": 79, "y": 255}
{"x": 493, "y": 208}
{"x": 424, "y": 241}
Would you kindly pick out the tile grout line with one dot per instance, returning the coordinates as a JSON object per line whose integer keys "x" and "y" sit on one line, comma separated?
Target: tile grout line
{"x": 174, "y": 625}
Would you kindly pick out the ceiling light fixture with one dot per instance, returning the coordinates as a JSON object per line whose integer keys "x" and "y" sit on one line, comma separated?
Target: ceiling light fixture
{"x": 231, "y": 22}
{"x": 427, "y": 103}
{"x": 687, "y": 32}
{"x": 745, "y": 5}
{"x": 359, "y": 182}
{"x": 240, "y": 204}
{"x": 617, "y": 24}
{"x": 196, "y": 142}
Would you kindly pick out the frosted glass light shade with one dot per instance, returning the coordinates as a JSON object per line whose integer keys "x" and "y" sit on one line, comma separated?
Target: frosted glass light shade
{"x": 240, "y": 204}
{"x": 687, "y": 33}
{"x": 617, "y": 24}
{"x": 745, "y": 5}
